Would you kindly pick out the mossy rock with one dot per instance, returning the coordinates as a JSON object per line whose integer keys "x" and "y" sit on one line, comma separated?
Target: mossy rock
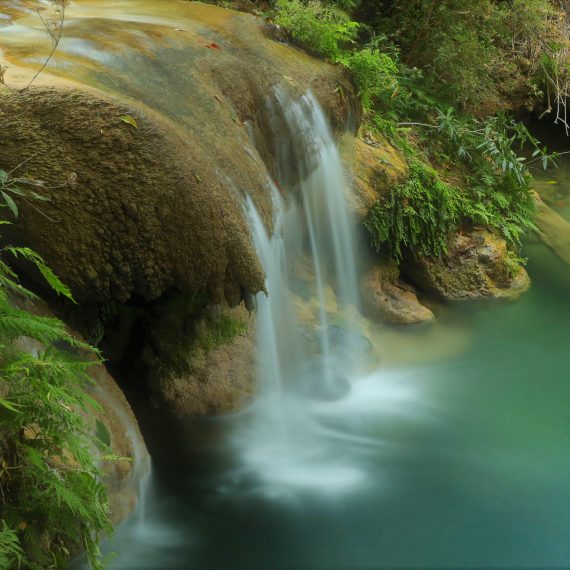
{"x": 478, "y": 265}
{"x": 378, "y": 168}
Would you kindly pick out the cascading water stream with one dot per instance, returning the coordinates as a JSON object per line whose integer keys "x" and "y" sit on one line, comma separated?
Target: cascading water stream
{"x": 311, "y": 151}
{"x": 329, "y": 221}
{"x": 287, "y": 443}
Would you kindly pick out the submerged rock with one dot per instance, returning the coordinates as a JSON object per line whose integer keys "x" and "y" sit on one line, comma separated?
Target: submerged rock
{"x": 342, "y": 339}
{"x": 477, "y": 265}
{"x": 316, "y": 385}
{"x": 385, "y": 297}
{"x": 336, "y": 388}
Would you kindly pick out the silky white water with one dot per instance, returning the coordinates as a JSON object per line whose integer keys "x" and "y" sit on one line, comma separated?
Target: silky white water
{"x": 305, "y": 366}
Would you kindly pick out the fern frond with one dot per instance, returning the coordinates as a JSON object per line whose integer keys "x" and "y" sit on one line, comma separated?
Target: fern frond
{"x": 51, "y": 278}
{"x": 11, "y": 553}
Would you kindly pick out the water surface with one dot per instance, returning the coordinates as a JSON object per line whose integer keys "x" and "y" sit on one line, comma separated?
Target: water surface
{"x": 461, "y": 459}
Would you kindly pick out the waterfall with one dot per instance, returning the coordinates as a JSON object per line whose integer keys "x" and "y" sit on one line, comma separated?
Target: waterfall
{"x": 317, "y": 208}
{"x": 309, "y": 253}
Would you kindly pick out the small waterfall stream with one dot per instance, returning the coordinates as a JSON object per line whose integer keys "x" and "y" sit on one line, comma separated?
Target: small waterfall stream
{"x": 303, "y": 366}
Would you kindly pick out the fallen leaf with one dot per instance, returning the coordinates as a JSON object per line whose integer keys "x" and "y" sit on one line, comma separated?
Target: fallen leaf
{"x": 198, "y": 177}
{"x": 213, "y": 45}
{"x": 552, "y": 182}
{"x": 129, "y": 120}
{"x": 290, "y": 79}
{"x": 218, "y": 99}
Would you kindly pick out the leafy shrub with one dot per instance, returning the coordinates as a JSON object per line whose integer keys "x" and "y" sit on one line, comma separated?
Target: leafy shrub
{"x": 498, "y": 180}
{"x": 472, "y": 54}
{"x": 464, "y": 67}
{"x": 346, "y": 5}
{"x": 419, "y": 215}
{"x": 320, "y": 28}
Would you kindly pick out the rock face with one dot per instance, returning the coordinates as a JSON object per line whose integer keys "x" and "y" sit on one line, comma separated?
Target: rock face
{"x": 146, "y": 153}
{"x": 116, "y": 420}
{"x": 114, "y": 423}
{"x": 135, "y": 212}
{"x": 476, "y": 266}
{"x": 378, "y": 167}
{"x": 199, "y": 361}
{"x": 385, "y": 297}
{"x": 148, "y": 134}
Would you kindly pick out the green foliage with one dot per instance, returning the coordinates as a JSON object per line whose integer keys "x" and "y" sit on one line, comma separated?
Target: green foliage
{"x": 51, "y": 497}
{"x": 491, "y": 144}
{"x": 321, "y": 28}
{"x": 413, "y": 59}
{"x": 346, "y": 5}
{"x": 52, "y": 280}
{"x": 471, "y": 53}
{"x": 376, "y": 76}
{"x": 11, "y": 554}
{"x": 417, "y": 216}
{"x": 498, "y": 180}
{"x": 461, "y": 65}
{"x": 11, "y": 188}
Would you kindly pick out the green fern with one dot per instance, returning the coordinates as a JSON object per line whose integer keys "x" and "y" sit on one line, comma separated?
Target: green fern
{"x": 11, "y": 554}
{"x": 51, "y": 278}
{"x": 417, "y": 216}
{"x": 49, "y": 481}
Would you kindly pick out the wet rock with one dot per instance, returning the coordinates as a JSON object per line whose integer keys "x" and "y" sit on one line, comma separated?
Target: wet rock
{"x": 199, "y": 360}
{"x": 553, "y": 230}
{"x": 477, "y": 265}
{"x": 378, "y": 167}
{"x": 386, "y": 297}
{"x": 352, "y": 342}
{"x": 116, "y": 424}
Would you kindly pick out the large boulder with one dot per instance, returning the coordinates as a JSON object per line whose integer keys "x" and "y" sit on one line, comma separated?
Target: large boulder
{"x": 477, "y": 265}
{"x": 386, "y": 297}
{"x": 199, "y": 360}
{"x": 144, "y": 134}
